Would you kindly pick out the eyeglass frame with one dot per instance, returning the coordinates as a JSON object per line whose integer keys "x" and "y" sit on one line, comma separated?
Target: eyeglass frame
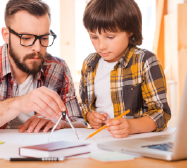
{"x": 36, "y": 37}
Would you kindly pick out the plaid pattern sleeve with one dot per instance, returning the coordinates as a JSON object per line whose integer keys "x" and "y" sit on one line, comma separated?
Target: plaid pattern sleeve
{"x": 58, "y": 78}
{"x": 137, "y": 83}
{"x": 153, "y": 89}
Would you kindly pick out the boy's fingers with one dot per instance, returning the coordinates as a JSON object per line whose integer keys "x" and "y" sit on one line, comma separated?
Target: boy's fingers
{"x": 112, "y": 128}
{"x": 119, "y": 121}
{"x": 98, "y": 116}
{"x": 119, "y": 132}
{"x": 95, "y": 120}
{"x": 108, "y": 121}
{"x": 96, "y": 126}
{"x": 120, "y": 136}
{"x": 95, "y": 123}
{"x": 105, "y": 115}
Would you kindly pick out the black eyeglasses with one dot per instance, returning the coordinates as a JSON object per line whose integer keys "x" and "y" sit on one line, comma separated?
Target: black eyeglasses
{"x": 27, "y": 40}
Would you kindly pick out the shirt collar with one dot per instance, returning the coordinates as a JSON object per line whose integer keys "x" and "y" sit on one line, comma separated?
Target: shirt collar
{"x": 128, "y": 53}
{"x": 123, "y": 61}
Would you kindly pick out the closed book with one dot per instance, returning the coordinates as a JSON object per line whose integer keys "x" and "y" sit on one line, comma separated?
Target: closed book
{"x": 55, "y": 149}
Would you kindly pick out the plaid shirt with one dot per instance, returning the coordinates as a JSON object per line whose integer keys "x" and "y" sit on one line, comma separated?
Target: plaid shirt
{"x": 136, "y": 83}
{"x": 54, "y": 75}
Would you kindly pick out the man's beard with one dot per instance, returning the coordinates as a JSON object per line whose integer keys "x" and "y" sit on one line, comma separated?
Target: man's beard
{"x": 36, "y": 67}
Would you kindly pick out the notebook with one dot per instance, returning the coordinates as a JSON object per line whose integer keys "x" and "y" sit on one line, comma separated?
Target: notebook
{"x": 55, "y": 149}
{"x": 168, "y": 147}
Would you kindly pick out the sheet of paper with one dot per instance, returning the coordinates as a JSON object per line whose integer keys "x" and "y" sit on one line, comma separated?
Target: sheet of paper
{"x": 110, "y": 156}
{"x": 13, "y": 139}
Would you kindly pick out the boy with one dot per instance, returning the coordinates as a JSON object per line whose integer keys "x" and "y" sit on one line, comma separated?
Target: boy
{"x": 121, "y": 76}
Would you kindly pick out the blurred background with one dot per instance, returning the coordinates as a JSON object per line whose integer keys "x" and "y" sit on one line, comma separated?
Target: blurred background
{"x": 164, "y": 33}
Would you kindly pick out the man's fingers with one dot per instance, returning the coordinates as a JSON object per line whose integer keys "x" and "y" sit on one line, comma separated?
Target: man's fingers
{"x": 42, "y": 108}
{"x": 25, "y": 126}
{"x": 50, "y": 125}
{"x": 49, "y": 105}
{"x": 41, "y": 124}
{"x": 33, "y": 124}
{"x": 55, "y": 97}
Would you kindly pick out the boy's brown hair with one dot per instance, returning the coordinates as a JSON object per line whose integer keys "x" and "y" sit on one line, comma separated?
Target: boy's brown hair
{"x": 34, "y": 7}
{"x": 114, "y": 16}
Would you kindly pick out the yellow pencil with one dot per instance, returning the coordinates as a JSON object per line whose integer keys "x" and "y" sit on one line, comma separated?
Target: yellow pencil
{"x": 91, "y": 135}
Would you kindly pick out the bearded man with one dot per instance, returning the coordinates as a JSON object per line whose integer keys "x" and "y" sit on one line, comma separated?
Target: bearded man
{"x": 35, "y": 87}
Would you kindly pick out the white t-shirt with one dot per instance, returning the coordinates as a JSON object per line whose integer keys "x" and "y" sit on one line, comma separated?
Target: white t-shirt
{"x": 102, "y": 88}
{"x": 20, "y": 90}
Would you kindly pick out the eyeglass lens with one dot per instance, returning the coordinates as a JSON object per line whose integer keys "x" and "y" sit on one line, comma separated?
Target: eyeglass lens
{"x": 27, "y": 40}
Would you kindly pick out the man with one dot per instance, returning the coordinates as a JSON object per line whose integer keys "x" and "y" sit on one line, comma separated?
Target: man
{"x": 31, "y": 80}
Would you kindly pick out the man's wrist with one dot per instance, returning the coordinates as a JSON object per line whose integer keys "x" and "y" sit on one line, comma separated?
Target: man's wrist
{"x": 15, "y": 105}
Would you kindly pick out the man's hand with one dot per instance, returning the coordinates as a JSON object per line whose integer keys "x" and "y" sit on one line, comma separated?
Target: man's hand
{"x": 96, "y": 119}
{"x": 119, "y": 128}
{"x": 43, "y": 101}
{"x": 37, "y": 123}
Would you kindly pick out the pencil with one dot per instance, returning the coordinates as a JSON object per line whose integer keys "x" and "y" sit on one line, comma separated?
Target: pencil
{"x": 91, "y": 135}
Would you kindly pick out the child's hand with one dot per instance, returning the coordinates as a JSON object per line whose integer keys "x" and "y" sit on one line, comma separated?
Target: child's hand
{"x": 119, "y": 128}
{"x": 96, "y": 119}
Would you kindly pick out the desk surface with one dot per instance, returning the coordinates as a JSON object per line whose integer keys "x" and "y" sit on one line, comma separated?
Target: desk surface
{"x": 85, "y": 163}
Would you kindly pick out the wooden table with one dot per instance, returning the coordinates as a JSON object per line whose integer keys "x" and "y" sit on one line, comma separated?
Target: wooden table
{"x": 89, "y": 163}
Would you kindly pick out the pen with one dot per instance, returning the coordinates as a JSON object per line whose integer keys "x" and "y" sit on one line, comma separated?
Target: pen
{"x": 37, "y": 159}
{"x": 91, "y": 135}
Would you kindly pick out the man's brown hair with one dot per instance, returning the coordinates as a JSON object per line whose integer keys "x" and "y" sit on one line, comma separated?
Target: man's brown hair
{"x": 34, "y": 7}
{"x": 114, "y": 16}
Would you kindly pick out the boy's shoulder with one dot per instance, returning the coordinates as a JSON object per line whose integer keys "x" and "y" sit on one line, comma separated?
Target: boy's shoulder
{"x": 144, "y": 53}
